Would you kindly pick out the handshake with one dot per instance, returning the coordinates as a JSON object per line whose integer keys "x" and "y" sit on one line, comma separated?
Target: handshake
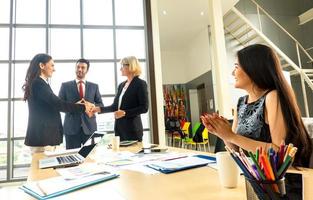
{"x": 90, "y": 108}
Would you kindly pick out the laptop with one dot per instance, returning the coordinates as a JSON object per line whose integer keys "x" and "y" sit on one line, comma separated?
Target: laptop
{"x": 75, "y": 158}
{"x": 126, "y": 143}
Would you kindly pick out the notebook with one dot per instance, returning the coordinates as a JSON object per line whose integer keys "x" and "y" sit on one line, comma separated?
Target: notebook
{"x": 75, "y": 158}
{"x": 182, "y": 163}
{"x": 56, "y": 186}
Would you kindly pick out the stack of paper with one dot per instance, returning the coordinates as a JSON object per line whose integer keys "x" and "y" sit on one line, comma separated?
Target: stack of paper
{"x": 57, "y": 186}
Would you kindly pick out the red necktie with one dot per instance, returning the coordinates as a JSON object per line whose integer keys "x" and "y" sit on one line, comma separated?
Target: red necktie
{"x": 81, "y": 92}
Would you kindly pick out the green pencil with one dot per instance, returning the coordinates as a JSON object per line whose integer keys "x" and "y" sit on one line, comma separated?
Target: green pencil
{"x": 257, "y": 165}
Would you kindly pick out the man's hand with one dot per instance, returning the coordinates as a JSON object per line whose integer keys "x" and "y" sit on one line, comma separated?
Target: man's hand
{"x": 89, "y": 108}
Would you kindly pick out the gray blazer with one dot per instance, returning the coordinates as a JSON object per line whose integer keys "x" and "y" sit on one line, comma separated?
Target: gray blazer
{"x": 74, "y": 121}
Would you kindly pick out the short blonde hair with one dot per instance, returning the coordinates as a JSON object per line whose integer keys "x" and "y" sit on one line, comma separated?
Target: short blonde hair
{"x": 133, "y": 64}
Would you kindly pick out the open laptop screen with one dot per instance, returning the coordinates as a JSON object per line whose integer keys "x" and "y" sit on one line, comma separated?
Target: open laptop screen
{"x": 92, "y": 141}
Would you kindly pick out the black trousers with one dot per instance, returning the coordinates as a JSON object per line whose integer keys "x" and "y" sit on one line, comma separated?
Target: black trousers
{"x": 76, "y": 141}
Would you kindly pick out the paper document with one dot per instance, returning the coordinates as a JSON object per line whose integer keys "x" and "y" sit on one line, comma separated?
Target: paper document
{"x": 56, "y": 186}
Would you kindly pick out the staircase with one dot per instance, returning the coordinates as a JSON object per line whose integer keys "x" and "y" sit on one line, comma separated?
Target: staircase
{"x": 250, "y": 31}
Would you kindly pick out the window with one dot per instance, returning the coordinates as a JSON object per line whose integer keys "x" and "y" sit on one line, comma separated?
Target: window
{"x": 4, "y": 41}
{"x": 65, "y": 12}
{"x": 4, "y": 81}
{"x": 98, "y": 44}
{"x": 19, "y": 73}
{"x": 130, "y": 42}
{"x": 5, "y": 11}
{"x": 97, "y": 12}
{"x": 30, "y": 12}
{"x": 25, "y": 49}
{"x": 129, "y": 12}
{"x": 65, "y": 43}
{"x": 103, "y": 74}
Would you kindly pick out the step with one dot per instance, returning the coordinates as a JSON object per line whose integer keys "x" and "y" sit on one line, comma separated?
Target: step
{"x": 250, "y": 38}
{"x": 232, "y": 21}
{"x": 246, "y": 31}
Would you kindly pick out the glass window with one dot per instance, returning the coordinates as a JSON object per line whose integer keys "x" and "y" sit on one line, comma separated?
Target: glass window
{"x": 4, "y": 41}
{"x": 105, "y": 121}
{"x": 65, "y": 12}
{"x": 3, "y": 160}
{"x": 22, "y": 153}
{"x": 102, "y": 74}
{"x": 4, "y": 80}
{"x": 130, "y": 43}
{"x": 58, "y": 76}
{"x": 26, "y": 48}
{"x": 20, "y": 117}
{"x": 65, "y": 43}
{"x": 21, "y": 156}
{"x": 98, "y": 44}
{"x": 3, "y": 119}
{"x": 129, "y": 12}
{"x": 30, "y": 11}
{"x": 98, "y": 12}
{"x": 19, "y": 73}
{"x": 5, "y": 11}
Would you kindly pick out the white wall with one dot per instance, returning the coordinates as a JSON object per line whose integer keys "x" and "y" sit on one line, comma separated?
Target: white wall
{"x": 198, "y": 55}
{"x": 179, "y": 67}
{"x": 174, "y": 67}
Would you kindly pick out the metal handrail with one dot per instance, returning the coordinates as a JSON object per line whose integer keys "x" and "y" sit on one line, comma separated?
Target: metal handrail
{"x": 282, "y": 28}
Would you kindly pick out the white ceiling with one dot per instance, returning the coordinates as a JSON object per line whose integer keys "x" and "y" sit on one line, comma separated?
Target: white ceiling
{"x": 183, "y": 21}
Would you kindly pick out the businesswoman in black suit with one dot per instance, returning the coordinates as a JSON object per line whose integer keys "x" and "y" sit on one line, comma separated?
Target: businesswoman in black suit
{"x": 130, "y": 101}
{"x": 44, "y": 120}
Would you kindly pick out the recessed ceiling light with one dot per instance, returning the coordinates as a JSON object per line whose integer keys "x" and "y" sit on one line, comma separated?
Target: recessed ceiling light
{"x": 164, "y": 12}
{"x": 202, "y": 13}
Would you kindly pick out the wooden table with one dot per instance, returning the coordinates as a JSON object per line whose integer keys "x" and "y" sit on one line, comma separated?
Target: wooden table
{"x": 200, "y": 183}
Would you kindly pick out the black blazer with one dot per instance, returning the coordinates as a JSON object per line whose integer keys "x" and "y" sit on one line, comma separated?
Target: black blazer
{"x": 74, "y": 121}
{"x": 134, "y": 102}
{"x": 44, "y": 120}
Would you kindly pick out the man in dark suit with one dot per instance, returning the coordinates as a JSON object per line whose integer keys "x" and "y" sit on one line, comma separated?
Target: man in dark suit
{"x": 78, "y": 127}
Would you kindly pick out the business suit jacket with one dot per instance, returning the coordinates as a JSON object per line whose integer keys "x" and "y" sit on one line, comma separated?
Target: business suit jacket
{"x": 73, "y": 122}
{"x": 44, "y": 120}
{"x": 134, "y": 102}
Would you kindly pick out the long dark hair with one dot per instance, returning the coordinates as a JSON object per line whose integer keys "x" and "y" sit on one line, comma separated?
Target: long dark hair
{"x": 33, "y": 72}
{"x": 263, "y": 67}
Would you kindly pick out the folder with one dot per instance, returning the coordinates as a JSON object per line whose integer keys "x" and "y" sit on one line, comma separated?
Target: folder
{"x": 182, "y": 163}
{"x": 56, "y": 186}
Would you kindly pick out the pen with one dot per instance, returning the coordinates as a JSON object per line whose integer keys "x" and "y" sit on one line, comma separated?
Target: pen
{"x": 168, "y": 159}
{"x": 287, "y": 162}
{"x": 257, "y": 166}
{"x": 287, "y": 151}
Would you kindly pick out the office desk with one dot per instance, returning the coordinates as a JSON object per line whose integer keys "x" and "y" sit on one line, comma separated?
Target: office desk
{"x": 199, "y": 183}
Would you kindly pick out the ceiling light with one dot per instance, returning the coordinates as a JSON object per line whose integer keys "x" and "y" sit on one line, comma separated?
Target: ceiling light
{"x": 202, "y": 13}
{"x": 164, "y": 12}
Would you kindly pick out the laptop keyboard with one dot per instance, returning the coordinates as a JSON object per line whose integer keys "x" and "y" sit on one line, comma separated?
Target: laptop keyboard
{"x": 68, "y": 159}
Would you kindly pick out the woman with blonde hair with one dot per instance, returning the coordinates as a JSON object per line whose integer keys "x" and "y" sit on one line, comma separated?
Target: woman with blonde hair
{"x": 130, "y": 101}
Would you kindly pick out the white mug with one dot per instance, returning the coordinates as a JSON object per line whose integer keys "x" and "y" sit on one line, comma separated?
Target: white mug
{"x": 228, "y": 171}
{"x": 116, "y": 143}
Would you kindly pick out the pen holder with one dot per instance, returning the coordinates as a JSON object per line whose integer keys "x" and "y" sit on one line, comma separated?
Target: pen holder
{"x": 265, "y": 190}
